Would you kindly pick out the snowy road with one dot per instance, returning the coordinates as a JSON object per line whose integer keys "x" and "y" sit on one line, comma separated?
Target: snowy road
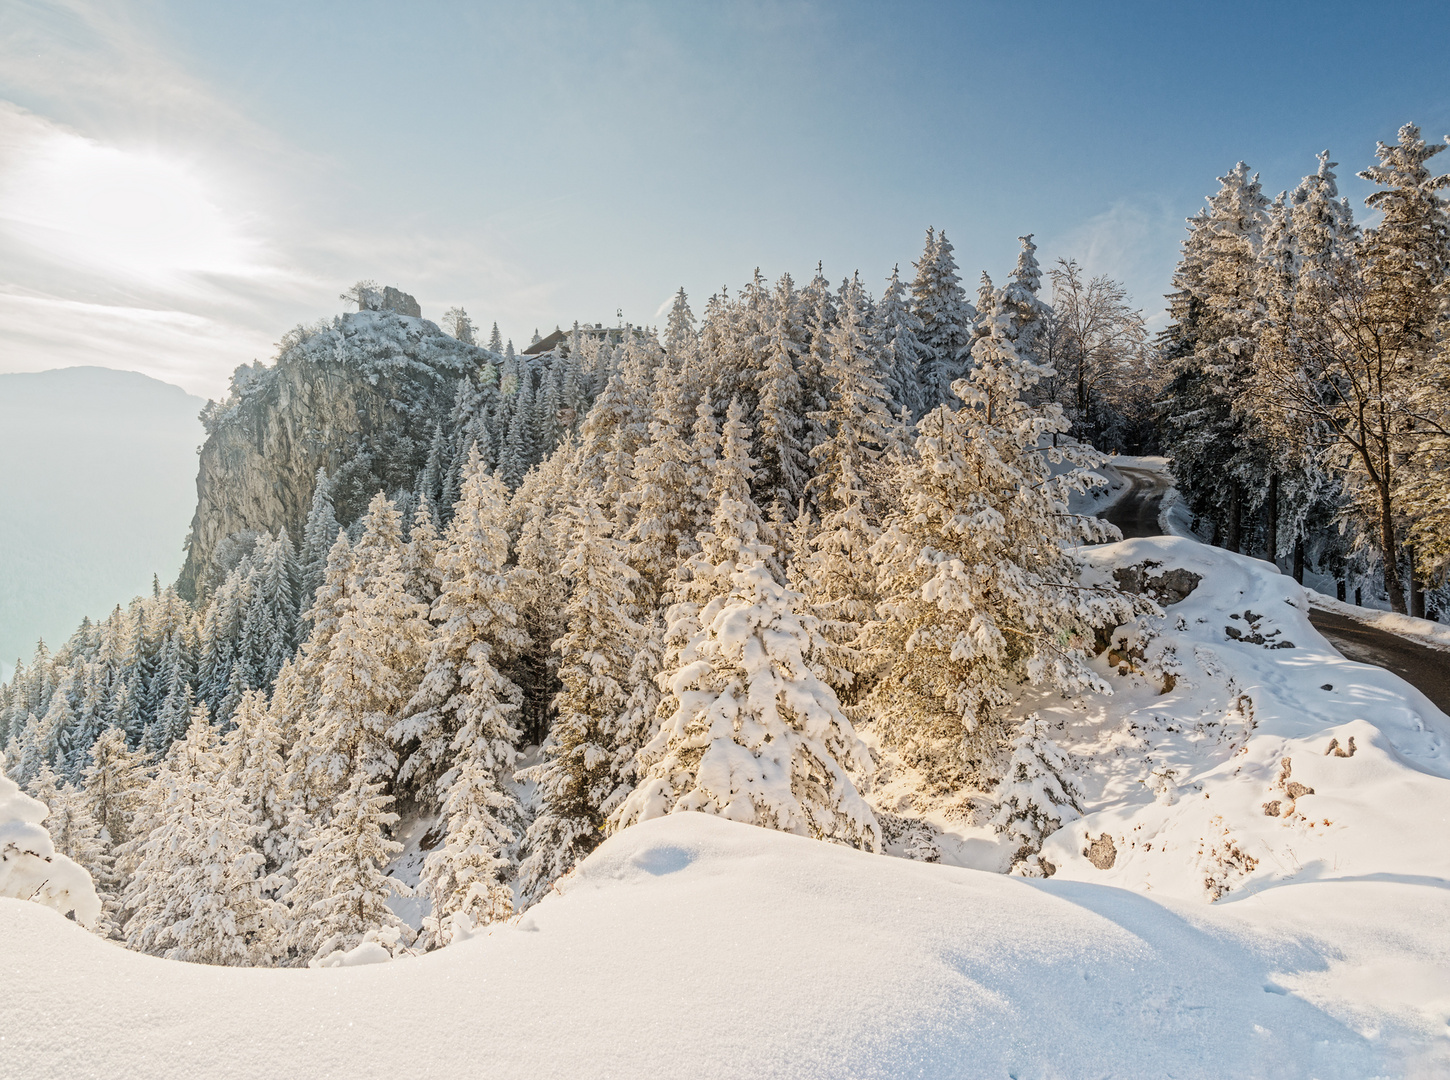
{"x": 1428, "y": 670}
{"x": 1135, "y": 513}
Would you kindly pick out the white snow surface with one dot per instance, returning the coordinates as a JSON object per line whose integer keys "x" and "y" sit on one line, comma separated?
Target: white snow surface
{"x": 693, "y": 946}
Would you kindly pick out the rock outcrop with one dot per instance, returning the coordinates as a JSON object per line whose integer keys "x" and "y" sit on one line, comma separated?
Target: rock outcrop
{"x": 360, "y": 398}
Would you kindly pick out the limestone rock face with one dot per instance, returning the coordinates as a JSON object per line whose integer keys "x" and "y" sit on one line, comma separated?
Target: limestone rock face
{"x": 401, "y": 302}
{"x": 360, "y": 399}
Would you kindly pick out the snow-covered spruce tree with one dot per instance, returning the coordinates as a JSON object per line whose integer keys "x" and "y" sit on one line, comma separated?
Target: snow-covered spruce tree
{"x": 420, "y": 559}
{"x": 978, "y": 580}
{"x": 40, "y": 739}
{"x": 268, "y": 633}
{"x": 341, "y": 892}
{"x": 663, "y": 531}
{"x": 1026, "y": 313}
{"x": 114, "y": 781}
{"x": 91, "y": 719}
{"x": 900, "y": 333}
{"x": 938, "y": 301}
{"x": 539, "y": 546}
{"x": 477, "y": 633}
{"x": 1037, "y": 796}
{"x": 835, "y": 574}
{"x": 783, "y": 469}
{"x": 750, "y": 733}
{"x": 253, "y": 766}
{"x": 1405, "y": 265}
{"x": 1301, "y": 494}
{"x": 373, "y": 659}
{"x": 588, "y": 764}
{"x": 1218, "y": 462}
{"x": 173, "y": 717}
{"x": 197, "y": 890}
{"x": 680, "y": 338}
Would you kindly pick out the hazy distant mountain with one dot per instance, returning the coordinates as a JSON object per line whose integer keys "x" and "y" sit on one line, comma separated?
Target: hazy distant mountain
{"x": 97, "y": 487}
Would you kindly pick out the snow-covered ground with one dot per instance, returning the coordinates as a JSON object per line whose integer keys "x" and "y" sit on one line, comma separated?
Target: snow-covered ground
{"x": 1248, "y": 893}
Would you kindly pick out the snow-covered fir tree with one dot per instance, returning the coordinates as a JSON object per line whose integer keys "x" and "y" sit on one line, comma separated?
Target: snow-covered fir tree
{"x": 196, "y": 893}
{"x": 476, "y": 636}
{"x": 749, "y": 732}
{"x": 372, "y": 658}
{"x": 588, "y": 764}
{"x": 978, "y": 576}
{"x": 1038, "y": 794}
{"x": 341, "y": 890}
{"x": 946, "y": 318}
{"x": 834, "y": 567}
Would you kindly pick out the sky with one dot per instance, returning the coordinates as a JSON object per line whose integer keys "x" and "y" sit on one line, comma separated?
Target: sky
{"x": 181, "y": 183}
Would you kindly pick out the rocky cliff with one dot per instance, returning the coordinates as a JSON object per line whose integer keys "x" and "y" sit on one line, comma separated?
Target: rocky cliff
{"x": 361, "y": 398}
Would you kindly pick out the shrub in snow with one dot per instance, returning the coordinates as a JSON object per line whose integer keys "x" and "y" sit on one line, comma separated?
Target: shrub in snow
{"x": 31, "y": 868}
{"x": 381, "y": 945}
{"x": 1038, "y": 795}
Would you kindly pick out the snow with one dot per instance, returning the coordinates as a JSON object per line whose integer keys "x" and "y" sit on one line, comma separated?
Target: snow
{"x": 695, "y": 946}
{"x": 31, "y": 868}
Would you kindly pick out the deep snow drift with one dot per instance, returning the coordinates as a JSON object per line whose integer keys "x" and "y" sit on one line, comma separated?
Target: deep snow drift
{"x": 693, "y": 946}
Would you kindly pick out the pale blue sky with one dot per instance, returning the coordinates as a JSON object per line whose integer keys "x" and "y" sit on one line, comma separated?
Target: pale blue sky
{"x": 181, "y": 182}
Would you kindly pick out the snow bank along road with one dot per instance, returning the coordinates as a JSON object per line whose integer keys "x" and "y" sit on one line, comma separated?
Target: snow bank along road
{"x": 1135, "y": 513}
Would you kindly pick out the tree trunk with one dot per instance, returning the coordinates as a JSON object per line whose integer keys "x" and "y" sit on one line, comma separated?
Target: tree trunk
{"x": 1339, "y": 588}
{"x": 1417, "y": 587}
{"x": 1274, "y": 529}
{"x": 1235, "y": 519}
{"x": 1299, "y": 565}
{"x": 1389, "y": 550}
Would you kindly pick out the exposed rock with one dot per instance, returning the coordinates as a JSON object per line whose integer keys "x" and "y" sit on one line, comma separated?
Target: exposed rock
{"x": 1340, "y": 751}
{"x": 1164, "y": 586}
{"x": 401, "y": 302}
{"x": 1102, "y": 853}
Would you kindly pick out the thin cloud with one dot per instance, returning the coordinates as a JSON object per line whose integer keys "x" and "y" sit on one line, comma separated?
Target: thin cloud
{"x": 1134, "y": 241}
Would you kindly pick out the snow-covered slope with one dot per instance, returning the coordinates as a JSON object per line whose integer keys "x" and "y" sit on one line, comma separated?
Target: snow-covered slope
{"x": 693, "y": 946}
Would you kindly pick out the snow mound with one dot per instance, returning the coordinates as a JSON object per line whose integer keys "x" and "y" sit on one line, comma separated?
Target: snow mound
{"x": 30, "y": 867}
{"x": 1271, "y": 760}
{"x": 689, "y": 945}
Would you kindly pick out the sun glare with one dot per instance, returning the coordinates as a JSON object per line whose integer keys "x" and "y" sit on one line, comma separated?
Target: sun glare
{"x": 121, "y": 212}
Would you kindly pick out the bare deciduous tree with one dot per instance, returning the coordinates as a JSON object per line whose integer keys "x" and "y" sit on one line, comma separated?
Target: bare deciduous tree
{"x": 1097, "y": 345}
